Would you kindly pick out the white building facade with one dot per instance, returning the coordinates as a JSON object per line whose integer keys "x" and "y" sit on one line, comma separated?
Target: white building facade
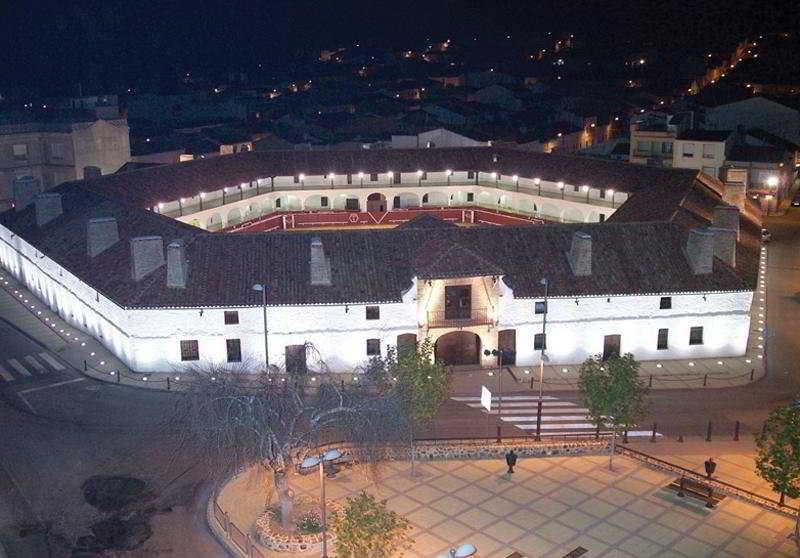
{"x": 463, "y": 297}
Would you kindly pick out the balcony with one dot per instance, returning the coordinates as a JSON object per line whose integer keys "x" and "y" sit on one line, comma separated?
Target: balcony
{"x": 441, "y": 318}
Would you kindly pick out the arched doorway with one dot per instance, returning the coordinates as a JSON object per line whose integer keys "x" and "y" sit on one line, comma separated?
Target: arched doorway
{"x": 376, "y": 202}
{"x": 458, "y": 347}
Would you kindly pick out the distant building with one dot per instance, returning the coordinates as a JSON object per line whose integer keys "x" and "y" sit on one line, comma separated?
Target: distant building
{"x": 653, "y": 137}
{"x": 439, "y": 137}
{"x": 757, "y": 112}
{"x": 53, "y": 149}
{"x": 704, "y": 150}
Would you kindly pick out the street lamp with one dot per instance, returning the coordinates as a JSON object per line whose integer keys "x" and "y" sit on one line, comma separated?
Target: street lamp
{"x": 499, "y": 353}
{"x": 319, "y": 461}
{"x": 546, "y": 283}
{"x": 262, "y": 288}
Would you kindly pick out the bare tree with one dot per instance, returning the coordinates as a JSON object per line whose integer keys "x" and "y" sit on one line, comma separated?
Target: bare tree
{"x": 232, "y": 419}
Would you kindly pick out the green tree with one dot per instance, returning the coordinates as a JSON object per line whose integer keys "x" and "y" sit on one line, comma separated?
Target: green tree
{"x": 778, "y": 458}
{"x": 367, "y": 528}
{"x": 419, "y": 382}
{"x": 613, "y": 393}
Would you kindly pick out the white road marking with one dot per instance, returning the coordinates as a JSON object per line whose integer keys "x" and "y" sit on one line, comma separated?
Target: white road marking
{"x": 51, "y": 361}
{"x": 48, "y": 386}
{"x": 5, "y": 374}
{"x": 35, "y": 363}
{"x": 17, "y": 365}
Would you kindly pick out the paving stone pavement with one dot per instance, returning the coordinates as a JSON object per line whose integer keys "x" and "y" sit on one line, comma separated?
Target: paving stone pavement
{"x": 548, "y": 508}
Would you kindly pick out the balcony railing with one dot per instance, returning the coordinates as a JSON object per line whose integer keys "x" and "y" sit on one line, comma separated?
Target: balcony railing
{"x": 442, "y": 318}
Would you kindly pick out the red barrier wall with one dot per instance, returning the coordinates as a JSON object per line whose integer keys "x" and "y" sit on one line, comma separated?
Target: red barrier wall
{"x": 291, "y": 220}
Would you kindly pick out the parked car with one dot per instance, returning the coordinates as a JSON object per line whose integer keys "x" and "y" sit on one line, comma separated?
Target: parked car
{"x": 765, "y": 235}
{"x": 796, "y": 200}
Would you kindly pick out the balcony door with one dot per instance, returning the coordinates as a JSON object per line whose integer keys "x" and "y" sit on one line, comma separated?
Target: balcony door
{"x": 458, "y": 302}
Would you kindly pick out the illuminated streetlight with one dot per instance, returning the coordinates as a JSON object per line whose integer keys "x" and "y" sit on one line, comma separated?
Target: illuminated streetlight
{"x": 772, "y": 181}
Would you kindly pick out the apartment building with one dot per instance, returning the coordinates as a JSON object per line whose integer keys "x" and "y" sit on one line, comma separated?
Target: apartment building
{"x": 53, "y": 150}
{"x": 704, "y": 150}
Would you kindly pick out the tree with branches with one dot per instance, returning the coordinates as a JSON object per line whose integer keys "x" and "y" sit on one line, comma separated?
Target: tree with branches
{"x": 411, "y": 376}
{"x": 778, "y": 457}
{"x": 613, "y": 393}
{"x": 231, "y": 419}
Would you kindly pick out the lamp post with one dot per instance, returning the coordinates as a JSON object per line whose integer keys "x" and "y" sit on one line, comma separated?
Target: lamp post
{"x": 319, "y": 461}
{"x": 262, "y": 288}
{"x": 546, "y": 284}
{"x": 499, "y": 353}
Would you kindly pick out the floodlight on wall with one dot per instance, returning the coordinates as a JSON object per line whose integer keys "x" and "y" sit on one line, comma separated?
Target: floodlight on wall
{"x": 772, "y": 181}
{"x": 448, "y": 172}
{"x": 301, "y": 176}
{"x": 537, "y": 181}
{"x": 419, "y": 173}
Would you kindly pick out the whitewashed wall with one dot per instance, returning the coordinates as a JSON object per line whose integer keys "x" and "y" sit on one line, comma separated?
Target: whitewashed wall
{"x": 148, "y": 340}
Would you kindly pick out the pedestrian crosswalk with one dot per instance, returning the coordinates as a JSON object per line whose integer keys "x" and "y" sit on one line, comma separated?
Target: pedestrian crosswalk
{"x": 559, "y": 417}
{"x": 29, "y": 367}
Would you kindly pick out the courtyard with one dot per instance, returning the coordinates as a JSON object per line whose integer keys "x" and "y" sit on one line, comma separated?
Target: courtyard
{"x": 549, "y": 507}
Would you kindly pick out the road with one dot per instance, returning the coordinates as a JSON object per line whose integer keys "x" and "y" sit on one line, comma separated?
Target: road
{"x": 83, "y": 428}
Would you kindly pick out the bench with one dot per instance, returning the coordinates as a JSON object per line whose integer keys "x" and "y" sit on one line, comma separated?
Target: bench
{"x": 698, "y": 490}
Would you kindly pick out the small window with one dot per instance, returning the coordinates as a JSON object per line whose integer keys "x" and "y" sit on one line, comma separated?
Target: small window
{"x": 373, "y": 347}
{"x": 688, "y": 150}
{"x": 576, "y": 188}
{"x": 351, "y": 204}
{"x": 349, "y": 178}
{"x": 56, "y": 150}
{"x": 663, "y": 339}
{"x": 665, "y": 303}
{"x": 601, "y": 218}
{"x": 277, "y": 203}
{"x": 396, "y": 177}
{"x": 666, "y": 147}
{"x": 296, "y": 179}
{"x": 396, "y": 202}
{"x": 470, "y": 175}
{"x": 190, "y": 350}
{"x": 425, "y": 198}
{"x": 424, "y": 175}
{"x": 539, "y": 342}
{"x": 602, "y": 193}
{"x": 470, "y": 197}
{"x": 373, "y": 177}
{"x": 323, "y": 202}
{"x": 696, "y": 336}
{"x": 231, "y": 317}
{"x": 234, "y": 347}
{"x": 373, "y": 312}
{"x": 539, "y": 307}
{"x": 708, "y": 151}
{"x": 20, "y": 151}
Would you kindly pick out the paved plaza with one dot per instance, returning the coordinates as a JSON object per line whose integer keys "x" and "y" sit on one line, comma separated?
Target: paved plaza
{"x": 550, "y": 507}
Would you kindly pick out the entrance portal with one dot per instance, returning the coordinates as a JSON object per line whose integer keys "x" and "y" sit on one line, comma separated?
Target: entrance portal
{"x": 376, "y": 202}
{"x": 458, "y": 347}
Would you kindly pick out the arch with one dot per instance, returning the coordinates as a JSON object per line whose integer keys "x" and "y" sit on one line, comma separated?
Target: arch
{"x": 251, "y": 211}
{"x": 287, "y": 202}
{"x": 549, "y": 210}
{"x": 486, "y": 199}
{"x": 572, "y": 215}
{"x": 349, "y": 202}
{"x": 527, "y": 205}
{"x": 376, "y": 202}
{"x": 436, "y": 199}
{"x": 234, "y": 217}
{"x": 505, "y": 201}
{"x": 458, "y": 347}
{"x": 214, "y": 222}
{"x": 317, "y": 202}
{"x": 405, "y": 199}
{"x": 458, "y": 198}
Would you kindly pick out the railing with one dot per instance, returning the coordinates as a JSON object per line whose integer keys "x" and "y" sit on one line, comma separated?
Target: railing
{"x": 443, "y": 318}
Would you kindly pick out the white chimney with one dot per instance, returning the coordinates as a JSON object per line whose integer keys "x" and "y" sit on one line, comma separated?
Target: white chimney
{"x": 48, "y": 207}
{"x": 700, "y": 251}
{"x": 580, "y": 254}
{"x": 101, "y": 233}
{"x": 319, "y": 264}
{"x": 177, "y": 264}
{"x": 147, "y": 255}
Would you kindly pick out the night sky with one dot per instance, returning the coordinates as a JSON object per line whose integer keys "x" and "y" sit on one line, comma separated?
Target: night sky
{"x": 50, "y": 47}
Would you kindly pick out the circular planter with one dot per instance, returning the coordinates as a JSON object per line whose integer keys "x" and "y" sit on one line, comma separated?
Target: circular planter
{"x": 280, "y": 541}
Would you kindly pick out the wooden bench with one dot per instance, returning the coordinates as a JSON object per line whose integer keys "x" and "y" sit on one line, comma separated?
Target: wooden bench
{"x": 698, "y": 490}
